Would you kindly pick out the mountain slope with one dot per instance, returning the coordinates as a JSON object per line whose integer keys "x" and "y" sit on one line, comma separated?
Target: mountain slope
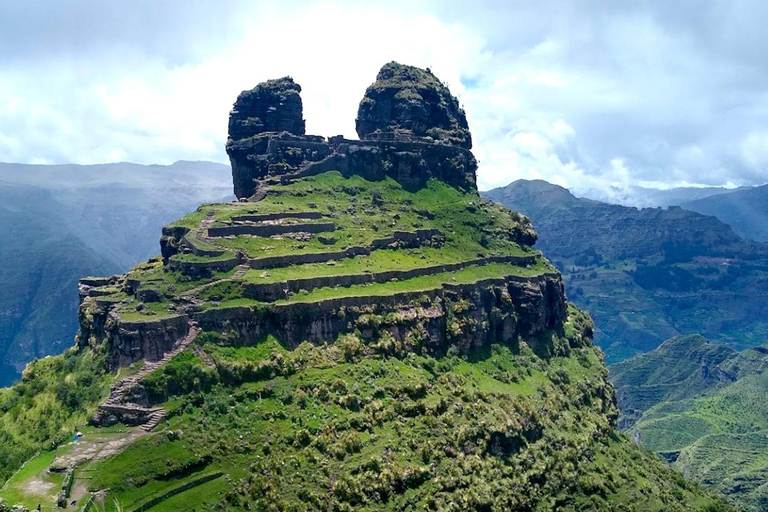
{"x": 647, "y": 275}
{"x": 62, "y": 222}
{"x": 746, "y": 211}
{"x": 362, "y": 332}
{"x": 702, "y": 405}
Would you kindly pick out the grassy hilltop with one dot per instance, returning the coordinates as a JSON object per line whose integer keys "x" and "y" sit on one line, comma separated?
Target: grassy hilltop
{"x": 365, "y": 421}
{"x": 361, "y": 331}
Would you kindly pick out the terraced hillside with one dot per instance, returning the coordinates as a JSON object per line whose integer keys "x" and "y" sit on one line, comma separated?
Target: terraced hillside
{"x": 702, "y": 406}
{"x": 361, "y": 331}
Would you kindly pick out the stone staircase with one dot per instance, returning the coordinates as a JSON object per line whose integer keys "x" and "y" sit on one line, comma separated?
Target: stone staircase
{"x": 115, "y": 408}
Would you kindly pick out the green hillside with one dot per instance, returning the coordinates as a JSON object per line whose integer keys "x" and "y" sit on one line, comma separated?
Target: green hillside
{"x": 647, "y": 275}
{"x": 359, "y": 331}
{"x": 702, "y": 405}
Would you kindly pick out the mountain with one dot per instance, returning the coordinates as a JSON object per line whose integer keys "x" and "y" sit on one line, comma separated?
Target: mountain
{"x": 745, "y": 210}
{"x": 702, "y": 405}
{"x": 644, "y": 197}
{"x": 62, "y": 222}
{"x": 647, "y": 275}
{"x": 359, "y": 331}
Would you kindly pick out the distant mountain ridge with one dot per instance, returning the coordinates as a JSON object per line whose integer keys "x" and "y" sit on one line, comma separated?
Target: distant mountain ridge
{"x": 62, "y": 222}
{"x": 745, "y": 210}
{"x": 646, "y": 197}
{"x": 647, "y": 275}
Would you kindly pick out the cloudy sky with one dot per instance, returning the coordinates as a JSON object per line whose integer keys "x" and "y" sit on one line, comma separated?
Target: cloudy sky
{"x": 586, "y": 94}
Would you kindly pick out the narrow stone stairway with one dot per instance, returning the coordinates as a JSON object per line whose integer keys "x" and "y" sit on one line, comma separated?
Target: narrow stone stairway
{"x": 116, "y": 408}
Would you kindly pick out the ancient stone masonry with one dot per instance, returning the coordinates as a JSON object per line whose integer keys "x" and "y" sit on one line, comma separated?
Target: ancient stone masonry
{"x": 412, "y": 129}
{"x": 309, "y": 255}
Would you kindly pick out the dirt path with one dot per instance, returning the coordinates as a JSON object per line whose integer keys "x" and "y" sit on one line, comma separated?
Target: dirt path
{"x": 94, "y": 447}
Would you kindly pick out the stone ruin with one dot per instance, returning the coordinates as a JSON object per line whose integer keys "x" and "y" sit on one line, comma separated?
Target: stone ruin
{"x": 411, "y": 129}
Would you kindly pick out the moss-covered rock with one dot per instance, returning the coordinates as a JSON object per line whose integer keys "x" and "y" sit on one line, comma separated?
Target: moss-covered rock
{"x": 410, "y": 100}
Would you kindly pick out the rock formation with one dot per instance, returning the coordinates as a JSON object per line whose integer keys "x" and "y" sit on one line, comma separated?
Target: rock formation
{"x": 410, "y": 100}
{"x": 412, "y": 129}
{"x": 272, "y": 106}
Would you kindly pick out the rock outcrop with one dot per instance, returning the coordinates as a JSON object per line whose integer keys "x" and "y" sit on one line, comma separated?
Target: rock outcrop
{"x": 272, "y": 106}
{"x": 411, "y": 129}
{"x": 410, "y": 100}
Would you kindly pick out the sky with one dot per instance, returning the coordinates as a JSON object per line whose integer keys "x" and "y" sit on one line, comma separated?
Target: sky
{"x": 589, "y": 94}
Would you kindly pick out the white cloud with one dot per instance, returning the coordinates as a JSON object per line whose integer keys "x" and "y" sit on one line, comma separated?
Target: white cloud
{"x": 587, "y": 95}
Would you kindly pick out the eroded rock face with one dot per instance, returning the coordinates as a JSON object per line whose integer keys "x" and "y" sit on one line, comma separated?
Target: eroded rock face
{"x": 410, "y": 100}
{"x": 503, "y": 310}
{"x": 412, "y": 129}
{"x": 271, "y": 106}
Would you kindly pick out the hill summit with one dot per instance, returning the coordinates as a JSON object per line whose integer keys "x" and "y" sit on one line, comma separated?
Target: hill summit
{"x": 360, "y": 331}
{"x": 411, "y": 129}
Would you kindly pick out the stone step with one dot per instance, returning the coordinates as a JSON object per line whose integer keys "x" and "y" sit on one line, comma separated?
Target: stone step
{"x": 114, "y": 402}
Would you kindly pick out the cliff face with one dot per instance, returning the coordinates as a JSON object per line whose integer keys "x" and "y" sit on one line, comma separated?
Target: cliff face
{"x": 411, "y": 130}
{"x": 410, "y": 100}
{"x": 272, "y": 106}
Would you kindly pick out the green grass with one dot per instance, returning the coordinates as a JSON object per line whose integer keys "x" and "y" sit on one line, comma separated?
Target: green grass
{"x": 466, "y": 275}
{"x": 202, "y": 497}
{"x": 472, "y": 229}
{"x": 396, "y": 433}
{"x": 684, "y": 401}
{"x": 378, "y": 261}
{"x": 15, "y": 491}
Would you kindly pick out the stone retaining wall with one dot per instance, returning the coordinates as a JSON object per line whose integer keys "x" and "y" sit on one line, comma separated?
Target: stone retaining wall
{"x": 269, "y": 229}
{"x": 270, "y": 292}
{"x": 277, "y": 216}
{"x": 201, "y": 268}
{"x": 404, "y": 238}
{"x": 411, "y": 163}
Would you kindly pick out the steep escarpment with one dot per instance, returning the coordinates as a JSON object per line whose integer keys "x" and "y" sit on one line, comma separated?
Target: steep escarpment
{"x": 360, "y": 331}
{"x": 647, "y": 275}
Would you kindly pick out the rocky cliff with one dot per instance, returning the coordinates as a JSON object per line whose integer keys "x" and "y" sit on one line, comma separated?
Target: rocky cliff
{"x": 362, "y": 332}
{"x": 410, "y": 100}
{"x": 411, "y": 129}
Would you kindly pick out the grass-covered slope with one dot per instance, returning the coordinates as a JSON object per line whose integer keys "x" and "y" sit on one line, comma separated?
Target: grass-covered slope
{"x": 356, "y": 216}
{"x": 364, "y": 347}
{"x": 371, "y": 426}
{"x": 703, "y": 406}
{"x": 56, "y": 396}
